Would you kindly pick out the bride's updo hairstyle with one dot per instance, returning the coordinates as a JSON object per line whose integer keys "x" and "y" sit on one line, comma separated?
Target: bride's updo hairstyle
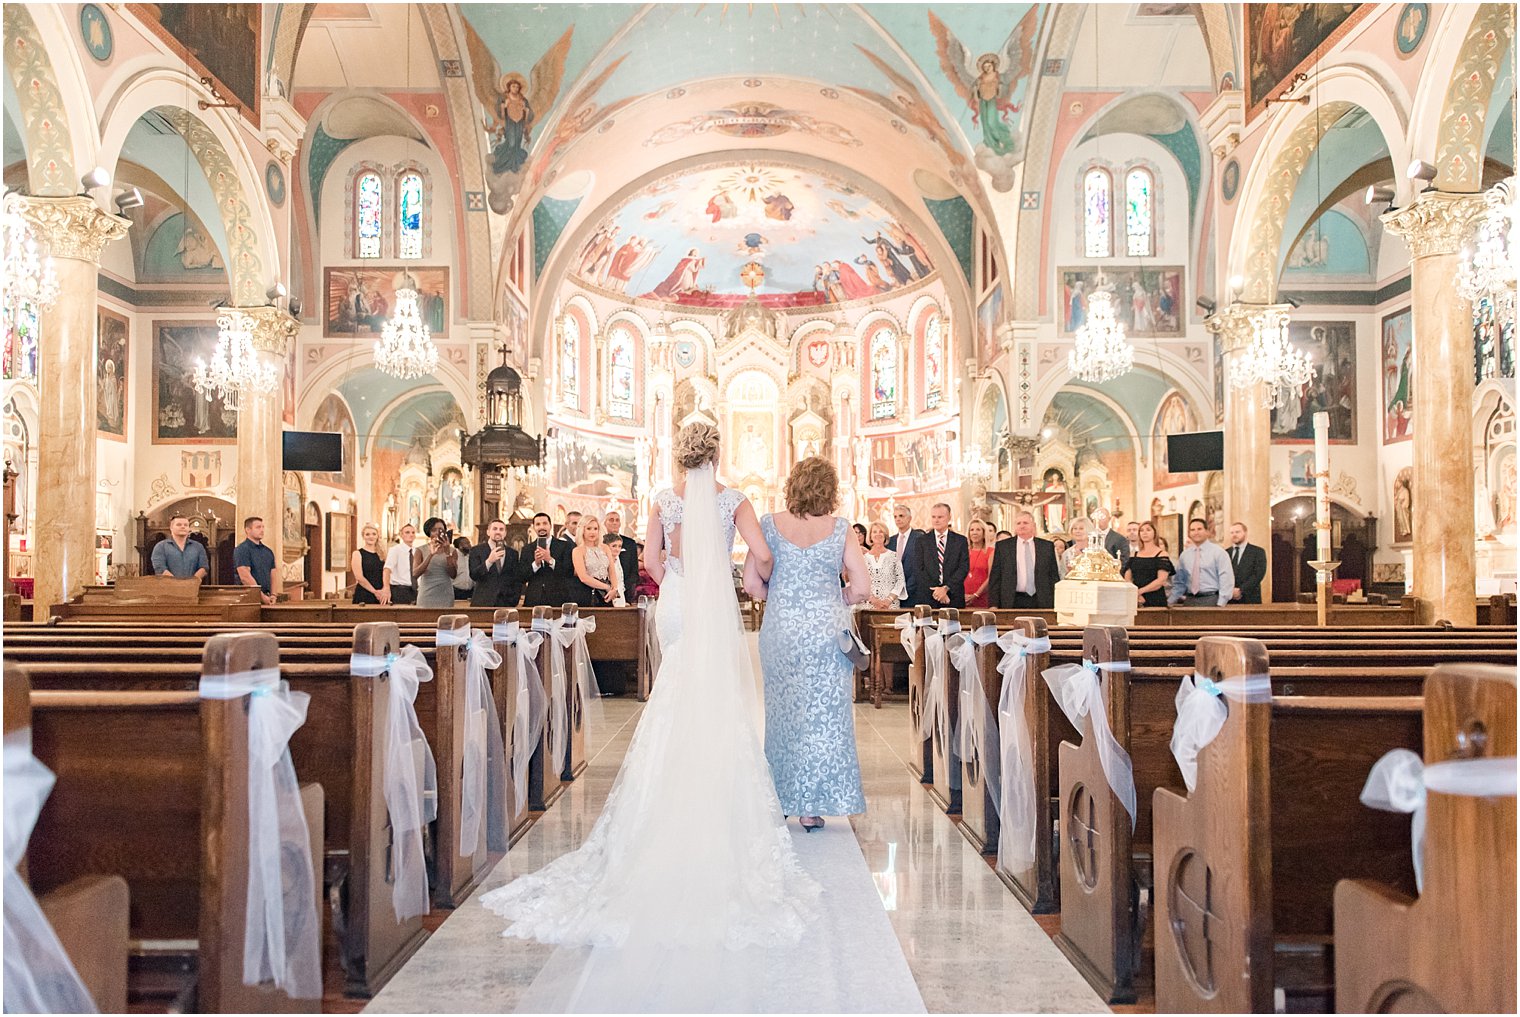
{"x": 813, "y": 488}
{"x": 696, "y": 445}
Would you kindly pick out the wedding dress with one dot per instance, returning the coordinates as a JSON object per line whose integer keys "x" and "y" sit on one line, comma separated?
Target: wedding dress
{"x": 690, "y": 865}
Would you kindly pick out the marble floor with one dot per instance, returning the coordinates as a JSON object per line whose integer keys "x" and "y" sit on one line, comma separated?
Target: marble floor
{"x": 969, "y": 945}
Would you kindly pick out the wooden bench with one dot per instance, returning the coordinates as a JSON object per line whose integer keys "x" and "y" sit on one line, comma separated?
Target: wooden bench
{"x": 917, "y": 749}
{"x": 546, "y": 777}
{"x": 944, "y": 774}
{"x": 1452, "y": 949}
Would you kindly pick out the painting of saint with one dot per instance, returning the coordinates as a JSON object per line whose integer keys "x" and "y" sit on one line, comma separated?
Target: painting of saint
{"x": 1398, "y": 376}
{"x": 1054, "y": 512}
{"x": 989, "y": 315}
{"x": 360, "y": 300}
{"x": 1172, "y": 417}
{"x": 585, "y": 462}
{"x": 1331, "y": 346}
{"x": 220, "y": 39}
{"x": 1147, "y": 301}
{"x": 111, "y": 374}
{"x": 288, "y": 388}
{"x": 987, "y": 84}
{"x": 333, "y": 416}
{"x": 682, "y": 278}
{"x": 1493, "y": 342}
{"x": 181, "y": 415}
{"x": 1281, "y": 37}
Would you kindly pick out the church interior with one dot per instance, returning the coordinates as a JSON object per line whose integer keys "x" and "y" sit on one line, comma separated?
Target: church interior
{"x": 350, "y": 268}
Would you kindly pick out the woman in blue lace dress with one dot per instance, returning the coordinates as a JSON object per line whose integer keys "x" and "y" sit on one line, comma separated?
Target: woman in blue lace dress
{"x": 809, "y": 714}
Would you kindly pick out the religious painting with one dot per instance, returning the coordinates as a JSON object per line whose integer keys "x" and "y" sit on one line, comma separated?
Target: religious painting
{"x": 111, "y": 388}
{"x": 915, "y": 462}
{"x": 1403, "y": 506}
{"x": 1218, "y": 379}
{"x": 180, "y": 250}
{"x": 288, "y": 387}
{"x": 1333, "y": 247}
{"x": 1414, "y": 20}
{"x": 1053, "y": 513}
{"x": 989, "y": 315}
{"x": 1301, "y": 469}
{"x": 1147, "y": 301}
{"x": 1173, "y": 416}
{"x": 884, "y": 357}
{"x": 589, "y": 463}
{"x": 333, "y": 416}
{"x": 340, "y": 540}
{"x": 360, "y": 300}
{"x": 992, "y": 85}
{"x": 96, "y": 32}
{"x": 1281, "y": 38}
{"x": 751, "y": 454}
{"x": 451, "y": 498}
{"x": 1331, "y": 346}
{"x": 292, "y": 518}
{"x": 1493, "y": 342}
{"x": 181, "y": 415}
{"x": 934, "y": 361}
{"x": 222, "y": 40}
{"x": 1398, "y": 376}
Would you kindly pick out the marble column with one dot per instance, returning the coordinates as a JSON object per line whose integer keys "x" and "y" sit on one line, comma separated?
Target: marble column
{"x": 74, "y": 230}
{"x": 1445, "y": 557}
{"x": 1247, "y": 438}
{"x": 260, "y": 478}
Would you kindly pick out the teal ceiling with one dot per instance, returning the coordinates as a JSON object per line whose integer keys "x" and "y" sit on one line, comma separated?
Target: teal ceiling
{"x": 1138, "y": 393}
{"x": 368, "y": 391}
{"x": 1354, "y": 141}
{"x": 155, "y": 145}
{"x": 420, "y": 417}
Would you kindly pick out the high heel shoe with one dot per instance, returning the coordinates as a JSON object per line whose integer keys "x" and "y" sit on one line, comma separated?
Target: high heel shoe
{"x": 810, "y": 827}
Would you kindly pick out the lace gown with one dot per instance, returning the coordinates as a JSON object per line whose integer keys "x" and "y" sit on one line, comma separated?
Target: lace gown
{"x": 809, "y": 713}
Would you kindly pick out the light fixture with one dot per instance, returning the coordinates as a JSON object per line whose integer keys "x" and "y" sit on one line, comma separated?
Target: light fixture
{"x": 1047, "y": 433}
{"x": 334, "y": 505}
{"x": 235, "y": 368}
{"x": 1205, "y": 305}
{"x": 1292, "y": 302}
{"x": 1376, "y": 195}
{"x": 1272, "y": 360}
{"x": 1422, "y": 170}
{"x": 1487, "y": 269}
{"x": 130, "y": 198}
{"x": 405, "y": 348}
{"x": 28, "y": 277}
{"x": 97, "y": 177}
{"x": 1102, "y": 351}
{"x": 975, "y": 467}
{"x": 276, "y": 292}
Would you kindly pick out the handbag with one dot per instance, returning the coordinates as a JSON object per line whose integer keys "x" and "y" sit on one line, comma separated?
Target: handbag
{"x": 853, "y": 648}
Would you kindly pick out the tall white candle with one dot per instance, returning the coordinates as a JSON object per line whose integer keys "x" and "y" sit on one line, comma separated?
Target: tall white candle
{"x": 1322, "y": 484}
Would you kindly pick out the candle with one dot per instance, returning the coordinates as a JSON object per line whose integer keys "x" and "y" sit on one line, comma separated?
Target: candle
{"x": 1322, "y": 484}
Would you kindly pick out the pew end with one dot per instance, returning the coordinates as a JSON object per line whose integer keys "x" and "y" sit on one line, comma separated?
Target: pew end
{"x": 945, "y": 771}
{"x": 1038, "y": 886}
{"x": 979, "y": 817}
{"x": 458, "y": 868}
{"x": 545, "y": 780}
{"x": 575, "y": 698}
{"x": 90, "y": 916}
{"x": 504, "y": 689}
{"x": 919, "y": 750}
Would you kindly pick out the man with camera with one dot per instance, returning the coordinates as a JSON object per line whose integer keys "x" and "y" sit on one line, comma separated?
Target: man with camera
{"x": 544, "y": 565}
{"x": 493, "y": 566}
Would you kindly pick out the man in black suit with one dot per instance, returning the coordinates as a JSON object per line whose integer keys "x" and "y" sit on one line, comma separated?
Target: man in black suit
{"x": 628, "y": 557}
{"x": 1250, "y": 563}
{"x": 493, "y": 566}
{"x": 905, "y": 542}
{"x": 544, "y": 565}
{"x": 944, "y": 561}
{"x": 1024, "y": 572}
{"x": 1114, "y": 542}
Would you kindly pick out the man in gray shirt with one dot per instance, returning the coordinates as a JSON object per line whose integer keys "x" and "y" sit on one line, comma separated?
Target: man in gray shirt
{"x": 1204, "y": 576}
{"x": 179, "y": 555}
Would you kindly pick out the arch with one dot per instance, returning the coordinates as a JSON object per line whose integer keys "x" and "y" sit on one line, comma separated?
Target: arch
{"x": 1164, "y": 363}
{"x": 290, "y": 21}
{"x": 356, "y": 244}
{"x": 1459, "y": 139}
{"x": 57, "y": 121}
{"x": 327, "y": 374}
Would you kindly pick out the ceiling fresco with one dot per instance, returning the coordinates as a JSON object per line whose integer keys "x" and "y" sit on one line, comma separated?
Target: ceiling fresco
{"x": 709, "y": 237}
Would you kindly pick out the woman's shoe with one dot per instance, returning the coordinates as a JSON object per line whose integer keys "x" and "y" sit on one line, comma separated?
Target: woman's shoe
{"x": 810, "y": 827}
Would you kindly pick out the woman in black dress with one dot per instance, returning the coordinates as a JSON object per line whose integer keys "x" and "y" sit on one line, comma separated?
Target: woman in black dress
{"x": 1150, "y": 569}
{"x": 368, "y": 568}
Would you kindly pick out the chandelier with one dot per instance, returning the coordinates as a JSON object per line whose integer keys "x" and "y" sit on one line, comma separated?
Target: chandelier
{"x": 28, "y": 277}
{"x": 975, "y": 467}
{"x": 1271, "y": 360}
{"x": 405, "y": 348}
{"x": 235, "y": 367}
{"x": 1487, "y": 268}
{"x": 1103, "y": 352}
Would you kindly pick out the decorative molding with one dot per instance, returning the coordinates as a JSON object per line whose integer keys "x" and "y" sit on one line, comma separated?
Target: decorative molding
{"x": 1222, "y": 121}
{"x": 73, "y": 227}
{"x": 1459, "y": 144}
{"x": 1436, "y": 222}
{"x": 44, "y": 121}
{"x": 273, "y": 329}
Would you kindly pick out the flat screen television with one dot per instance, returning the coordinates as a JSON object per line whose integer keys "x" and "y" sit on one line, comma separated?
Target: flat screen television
{"x": 1197, "y": 452}
{"x": 319, "y": 451}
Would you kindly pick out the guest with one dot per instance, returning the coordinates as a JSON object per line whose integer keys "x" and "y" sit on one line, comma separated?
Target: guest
{"x": 904, "y": 542}
{"x": 398, "y": 568}
{"x": 888, "y": 586}
{"x": 1249, "y": 563}
{"x": 1112, "y": 540}
{"x": 1165, "y": 545}
{"x": 1075, "y": 546}
{"x": 1003, "y": 535}
{"x": 178, "y": 555}
{"x": 628, "y": 557}
{"x": 981, "y": 563}
{"x": 1149, "y": 568}
{"x": 435, "y": 564}
{"x": 464, "y": 585}
{"x": 493, "y": 567}
{"x": 369, "y": 569}
{"x": 1060, "y": 544}
{"x": 597, "y": 570}
{"x": 571, "y": 530}
{"x": 543, "y": 568}
{"x": 573, "y": 589}
{"x": 943, "y": 563}
{"x": 253, "y": 560}
{"x": 1024, "y": 570}
{"x": 861, "y": 535}
{"x": 1203, "y": 577}
{"x": 1132, "y": 534}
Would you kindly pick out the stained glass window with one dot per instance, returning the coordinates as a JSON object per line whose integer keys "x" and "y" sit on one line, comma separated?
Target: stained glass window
{"x": 1097, "y": 213}
{"x": 367, "y": 216}
{"x": 620, "y": 373}
{"x": 1137, "y": 213}
{"x": 1493, "y": 343}
{"x": 21, "y": 342}
{"x": 934, "y": 362}
{"x": 410, "y": 190}
{"x": 883, "y": 374}
{"x": 569, "y": 362}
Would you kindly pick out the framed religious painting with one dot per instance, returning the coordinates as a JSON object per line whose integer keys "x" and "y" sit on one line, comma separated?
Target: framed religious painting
{"x": 360, "y": 299}
{"x": 1146, "y": 301}
{"x": 113, "y": 333}
{"x": 1331, "y": 346}
{"x": 1398, "y": 376}
{"x": 1283, "y": 39}
{"x": 181, "y": 415}
{"x": 340, "y": 540}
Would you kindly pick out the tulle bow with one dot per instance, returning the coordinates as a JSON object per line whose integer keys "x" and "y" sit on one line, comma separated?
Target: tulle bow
{"x": 484, "y": 777}
{"x": 1016, "y": 812}
{"x": 1078, "y": 690}
{"x": 532, "y": 709}
{"x": 1201, "y": 712}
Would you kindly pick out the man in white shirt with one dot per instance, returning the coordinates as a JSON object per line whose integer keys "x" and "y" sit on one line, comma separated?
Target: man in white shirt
{"x": 398, "y": 568}
{"x": 1204, "y": 576}
{"x": 1024, "y": 571}
{"x": 902, "y": 542}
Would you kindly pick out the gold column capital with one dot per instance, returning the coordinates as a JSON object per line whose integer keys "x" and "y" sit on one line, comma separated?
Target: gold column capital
{"x": 1235, "y": 323}
{"x": 271, "y": 329}
{"x": 1436, "y": 222}
{"x": 72, "y": 227}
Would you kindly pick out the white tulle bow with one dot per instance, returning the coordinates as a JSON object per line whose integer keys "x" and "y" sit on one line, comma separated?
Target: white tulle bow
{"x": 907, "y": 631}
{"x": 410, "y": 775}
{"x": 936, "y": 707}
{"x": 975, "y": 714}
{"x": 1201, "y": 712}
{"x": 532, "y": 707}
{"x": 1400, "y": 780}
{"x": 39, "y": 976}
{"x": 483, "y": 782}
{"x": 1016, "y": 812}
{"x": 571, "y": 637}
{"x": 559, "y": 704}
{"x": 283, "y": 942}
{"x": 1080, "y": 693}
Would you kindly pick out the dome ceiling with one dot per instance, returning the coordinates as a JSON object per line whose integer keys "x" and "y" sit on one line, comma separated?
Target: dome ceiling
{"x": 703, "y": 238}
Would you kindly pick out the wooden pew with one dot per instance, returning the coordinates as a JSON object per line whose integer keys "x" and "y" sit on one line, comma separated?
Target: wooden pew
{"x": 945, "y": 768}
{"x": 546, "y": 781}
{"x": 1451, "y": 950}
{"x": 918, "y": 750}
{"x": 459, "y": 868}
{"x": 173, "y": 822}
{"x": 1246, "y": 864}
{"x": 504, "y": 690}
{"x": 979, "y": 817}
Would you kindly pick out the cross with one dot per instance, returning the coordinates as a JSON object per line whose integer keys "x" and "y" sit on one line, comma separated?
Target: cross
{"x": 1084, "y": 836}
{"x": 1193, "y": 919}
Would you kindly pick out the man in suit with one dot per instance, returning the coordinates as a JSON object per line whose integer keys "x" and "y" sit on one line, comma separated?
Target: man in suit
{"x": 944, "y": 560}
{"x": 574, "y": 589}
{"x": 544, "y": 565}
{"x": 493, "y": 566}
{"x": 1024, "y": 572}
{"x": 1113, "y": 541}
{"x": 628, "y": 558}
{"x": 905, "y": 542}
{"x": 1250, "y": 564}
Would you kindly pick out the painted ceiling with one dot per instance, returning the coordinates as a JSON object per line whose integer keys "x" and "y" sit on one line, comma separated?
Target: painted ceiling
{"x": 703, "y": 238}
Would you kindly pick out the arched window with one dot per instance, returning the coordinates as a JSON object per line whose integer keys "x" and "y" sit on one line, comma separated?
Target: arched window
{"x": 1097, "y": 213}
{"x": 21, "y": 342}
{"x": 883, "y": 352}
{"x": 409, "y": 191}
{"x": 570, "y": 362}
{"x": 1139, "y": 207}
{"x": 934, "y": 361}
{"x": 367, "y": 222}
{"x": 620, "y": 373}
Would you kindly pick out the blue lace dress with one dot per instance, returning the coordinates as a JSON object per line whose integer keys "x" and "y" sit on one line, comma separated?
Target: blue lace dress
{"x": 809, "y": 688}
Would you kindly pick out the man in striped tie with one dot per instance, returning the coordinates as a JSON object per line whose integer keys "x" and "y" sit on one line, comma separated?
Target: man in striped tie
{"x": 944, "y": 561}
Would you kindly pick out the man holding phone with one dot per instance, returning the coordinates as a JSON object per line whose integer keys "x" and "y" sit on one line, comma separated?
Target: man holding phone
{"x": 493, "y": 566}
{"x": 544, "y": 564}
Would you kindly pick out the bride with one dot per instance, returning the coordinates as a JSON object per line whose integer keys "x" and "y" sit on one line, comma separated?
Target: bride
{"x": 690, "y": 865}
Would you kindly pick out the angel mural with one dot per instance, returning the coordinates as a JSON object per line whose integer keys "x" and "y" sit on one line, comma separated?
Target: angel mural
{"x": 987, "y": 85}
{"x": 513, "y": 106}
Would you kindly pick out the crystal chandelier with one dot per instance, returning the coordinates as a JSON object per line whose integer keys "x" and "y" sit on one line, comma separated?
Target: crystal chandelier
{"x": 28, "y": 277}
{"x": 1488, "y": 267}
{"x": 235, "y": 367}
{"x": 1103, "y": 352}
{"x": 405, "y": 348}
{"x": 975, "y": 467}
{"x": 1271, "y": 360}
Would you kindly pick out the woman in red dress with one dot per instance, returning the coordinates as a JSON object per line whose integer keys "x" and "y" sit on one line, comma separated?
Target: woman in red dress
{"x": 981, "y": 564}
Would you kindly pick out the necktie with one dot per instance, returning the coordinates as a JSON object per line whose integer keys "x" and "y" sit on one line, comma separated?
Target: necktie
{"x": 941, "y": 551}
{"x": 1025, "y": 583}
{"x": 1235, "y": 556}
{"x": 1193, "y": 572}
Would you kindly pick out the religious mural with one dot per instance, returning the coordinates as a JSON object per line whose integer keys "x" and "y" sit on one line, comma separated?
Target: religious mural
{"x": 113, "y": 331}
{"x": 221, "y": 39}
{"x": 585, "y": 462}
{"x": 1331, "y": 346}
{"x": 513, "y": 106}
{"x": 1398, "y": 376}
{"x": 1147, "y": 301}
{"x": 1403, "y": 506}
{"x": 333, "y": 416}
{"x": 1333, "y": 246}
{"x": 361, "y": 300}
{"x": 181, "y": 415}
{"x": 1173, "y": 416}
{"x": 1281, "y": 37}
{"x": 288, "y": 387}
{"x": 913, "y": 462}
{"x": 989, "y": 315}
{"x": 178, "y": 250}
